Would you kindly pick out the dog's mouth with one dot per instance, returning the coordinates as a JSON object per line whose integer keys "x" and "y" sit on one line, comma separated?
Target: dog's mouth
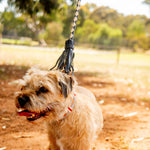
{"x": 32, "y": 116}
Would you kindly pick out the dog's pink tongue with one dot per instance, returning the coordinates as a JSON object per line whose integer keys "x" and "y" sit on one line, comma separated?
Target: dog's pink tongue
{"x": 25, "y": 113}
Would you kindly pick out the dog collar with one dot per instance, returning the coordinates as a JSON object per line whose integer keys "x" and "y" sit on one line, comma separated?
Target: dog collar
{"x": 69, "y": 109}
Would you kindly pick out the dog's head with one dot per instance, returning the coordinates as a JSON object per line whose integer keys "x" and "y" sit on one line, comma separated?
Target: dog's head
{"x": 44, "y": 93}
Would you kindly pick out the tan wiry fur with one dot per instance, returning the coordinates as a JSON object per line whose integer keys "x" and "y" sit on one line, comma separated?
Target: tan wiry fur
{"x": 80, "y": 128}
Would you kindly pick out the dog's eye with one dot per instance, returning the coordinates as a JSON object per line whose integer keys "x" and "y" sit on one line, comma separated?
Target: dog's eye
{"x": 22, "y": 88}
{"x": 42, "y": 90}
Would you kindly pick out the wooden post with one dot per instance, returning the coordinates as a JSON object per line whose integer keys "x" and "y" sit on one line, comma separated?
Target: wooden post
{"x": 1, "y": 29}
{"x": 0, "y": 40}
{"x": 118, "y": 56}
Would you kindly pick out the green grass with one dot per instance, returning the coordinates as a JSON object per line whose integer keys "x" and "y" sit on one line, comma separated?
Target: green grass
{"x": 28, "y": 42}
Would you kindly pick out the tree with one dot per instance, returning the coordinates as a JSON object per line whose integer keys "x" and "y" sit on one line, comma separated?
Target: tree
{"x": 52, "y": 33}
{"x": 15, "y": 25}
{"x": 83, "y": 33}
{"x": 67, "y": 17}
{"x": 1, "y": 29}
{"x": 137, "y": 35}
{"x": 147, "y": 26}
{"x": 37, "y": 13}
{"x": 9, "y": 22}
{"x": 102, "y": 34}
{"x": 32, "y": 7}
{"x": 84, "y": 12}
{"x": 127, "y": 20}
{"x": 136, "y": 29}
{"x": 107, "y": 15}
{"x": 147, "y": 2}
{"x": 105, "y": 35}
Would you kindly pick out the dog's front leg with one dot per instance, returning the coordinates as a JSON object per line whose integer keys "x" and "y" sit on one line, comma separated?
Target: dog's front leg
{"x": 53, "y": 145}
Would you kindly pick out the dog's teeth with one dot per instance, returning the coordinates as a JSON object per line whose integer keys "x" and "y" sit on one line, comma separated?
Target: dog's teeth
{"x": 33, "y": 115}
{"x": 29, "y": 117}
{"x": 20, "y": 110}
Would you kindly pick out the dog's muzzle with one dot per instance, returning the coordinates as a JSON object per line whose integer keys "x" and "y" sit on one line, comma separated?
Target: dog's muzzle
{"x": 23, "y": 100}
{"x": 31, "y": 116}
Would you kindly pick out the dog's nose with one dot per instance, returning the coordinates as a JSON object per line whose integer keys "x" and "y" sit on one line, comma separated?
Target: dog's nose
{"x": 23, "y": 100}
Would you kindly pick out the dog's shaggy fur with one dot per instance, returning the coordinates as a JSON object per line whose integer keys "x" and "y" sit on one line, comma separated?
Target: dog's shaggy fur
{"x": 48, "y": 94}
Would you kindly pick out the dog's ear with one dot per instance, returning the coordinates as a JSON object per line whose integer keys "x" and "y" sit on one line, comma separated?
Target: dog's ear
{"x": 63, "y": 88}
{"x": 65, "y": 82}
{"x": 71, "y": 83}
{"x": 67, "y": 86}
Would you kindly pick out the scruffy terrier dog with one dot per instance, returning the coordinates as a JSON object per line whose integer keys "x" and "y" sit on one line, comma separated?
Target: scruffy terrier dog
{"x": 73, "y": 116}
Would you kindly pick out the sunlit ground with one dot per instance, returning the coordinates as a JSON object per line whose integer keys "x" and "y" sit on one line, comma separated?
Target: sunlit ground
{"x": 122, "y": 90}
{"x": 133, "y": 68}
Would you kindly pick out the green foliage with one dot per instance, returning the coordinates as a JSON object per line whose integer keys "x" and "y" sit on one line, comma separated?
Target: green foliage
{"x": 138, "y": 42}
{"x": 83, "y": 33}
{"x": 98, "y": 34}
{"x": 107, "y": 35}
{"x": 85, "y": 12}
{"x": 9, "y": 22}
{"x": 23, "y": 41}
{"x": 137, "y": 36}
{"x": 113, "y": 18}
{"x": 15, "y": 26}
{"x": 106, "y": 15}
{"x": 33, "y": 7}
{"x": 38, "y": 13}
{"x": 67, "y": 19}
{"x": 52, "y": 33}
{"x": 146, "y": 2}
{"x": 136, "y": 29}
{"x": 51, "y": 20}
{"x": 1, "y": 28}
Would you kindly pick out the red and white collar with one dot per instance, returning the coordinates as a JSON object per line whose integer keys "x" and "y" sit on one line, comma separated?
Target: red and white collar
{"x": 69, "y": 109}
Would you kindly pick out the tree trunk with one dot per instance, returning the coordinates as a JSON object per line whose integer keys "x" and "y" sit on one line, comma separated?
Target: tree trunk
{"x": 0, "y": 39}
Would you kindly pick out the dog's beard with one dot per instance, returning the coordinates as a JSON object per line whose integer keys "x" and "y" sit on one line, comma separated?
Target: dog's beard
{"x": 34, "y": 111}
{"x": 37, "y": 111}
{"x": 31, "y": 115}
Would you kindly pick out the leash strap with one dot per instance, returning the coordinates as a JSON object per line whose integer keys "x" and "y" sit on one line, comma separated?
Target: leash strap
{"x": 65, "y": 61}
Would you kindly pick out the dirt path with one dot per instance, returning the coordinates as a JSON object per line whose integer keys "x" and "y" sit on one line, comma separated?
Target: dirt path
{"x": 126, "y": 122}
